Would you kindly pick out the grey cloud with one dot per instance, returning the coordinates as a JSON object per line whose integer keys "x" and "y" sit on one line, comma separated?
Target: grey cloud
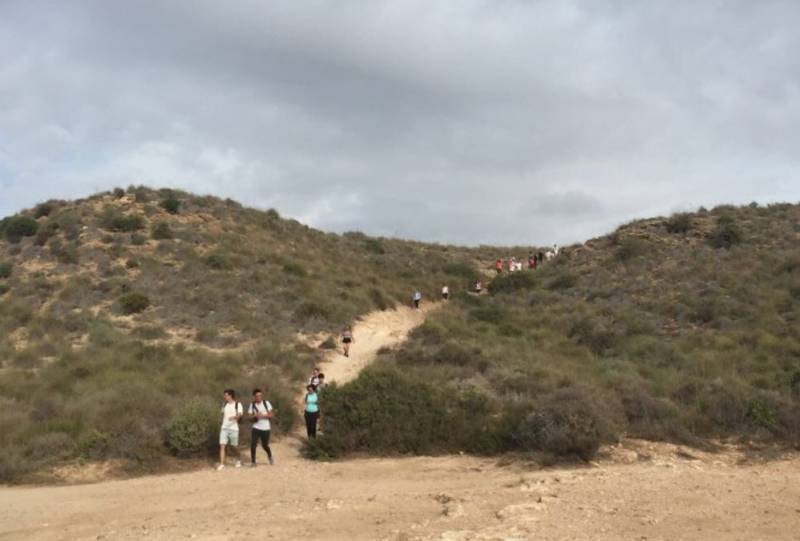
{"x": 496, "y": 122}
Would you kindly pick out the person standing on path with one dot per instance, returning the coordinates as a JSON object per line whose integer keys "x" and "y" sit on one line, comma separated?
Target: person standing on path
{"x": 416, "y": 298}
{"x": 311, "y": 412}
{"x": 347, "y": 339}
{"x": 232, "y": 411}
{"x": 498, "y": 266}
{"x": 260, "y": 412}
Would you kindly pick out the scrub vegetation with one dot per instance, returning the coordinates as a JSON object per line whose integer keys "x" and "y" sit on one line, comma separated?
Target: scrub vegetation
{"x": 685, "y": 329}
{"x": 124, "y": 315}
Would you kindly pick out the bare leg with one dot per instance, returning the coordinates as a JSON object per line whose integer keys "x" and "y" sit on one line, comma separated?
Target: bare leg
{"x": 222, "y": 454}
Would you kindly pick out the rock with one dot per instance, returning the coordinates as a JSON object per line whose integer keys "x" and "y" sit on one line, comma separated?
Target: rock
{"x": 330, "y": 505}
{"x": 453, "y": 510}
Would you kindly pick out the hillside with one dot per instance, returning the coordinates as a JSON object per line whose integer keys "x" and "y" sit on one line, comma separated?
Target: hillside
{"x": 120, "y": 309}
{"x": 684, "y": 329}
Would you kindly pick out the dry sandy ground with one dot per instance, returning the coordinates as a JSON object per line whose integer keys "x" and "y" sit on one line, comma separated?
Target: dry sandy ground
{"x": 639, "y": 491}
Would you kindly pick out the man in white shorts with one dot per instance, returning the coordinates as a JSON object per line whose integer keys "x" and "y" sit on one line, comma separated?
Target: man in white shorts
{"x": 232, "y": 411}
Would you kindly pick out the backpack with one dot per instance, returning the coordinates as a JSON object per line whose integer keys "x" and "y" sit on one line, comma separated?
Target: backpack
{"x": 237, "y": 405}
{"x": 253, "y": 408}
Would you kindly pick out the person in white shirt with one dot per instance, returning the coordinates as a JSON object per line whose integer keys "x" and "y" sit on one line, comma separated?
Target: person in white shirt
{"x": 260, "y": 412}
{"x": 445, "y": 292}
{"x": 232, "y": 411}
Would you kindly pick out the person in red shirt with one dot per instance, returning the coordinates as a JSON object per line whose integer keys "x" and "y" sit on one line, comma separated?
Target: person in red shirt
{"x": 498, "y": 266}
{"x": 531, "y": 260}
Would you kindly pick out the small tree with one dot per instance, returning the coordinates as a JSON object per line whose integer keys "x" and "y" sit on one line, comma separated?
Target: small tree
{"x": 17, "y": 227}
{"x": 133, "y": 303}
{"x": 170, "y": 204}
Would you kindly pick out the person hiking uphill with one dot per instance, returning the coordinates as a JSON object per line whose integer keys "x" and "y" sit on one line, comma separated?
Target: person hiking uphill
{"x": 498, "y": 266}
{"x": 347, "y": 339}
{"x": 311, "y": 412}
{"x": 229, "y": 431}
{"x": 260, "y": 412}
{"x": 416, "y": 298}
{"x": 445, "y": 292}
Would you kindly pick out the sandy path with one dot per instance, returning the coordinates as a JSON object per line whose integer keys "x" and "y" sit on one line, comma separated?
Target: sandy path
{"x": 643, "y": 491}
{"x": 374, "y": 331}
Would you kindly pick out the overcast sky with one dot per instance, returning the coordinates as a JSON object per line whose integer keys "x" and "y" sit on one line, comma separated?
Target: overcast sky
{"x": 494, "y": 121}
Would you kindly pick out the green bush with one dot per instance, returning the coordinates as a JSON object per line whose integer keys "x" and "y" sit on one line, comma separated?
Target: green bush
{"x": 218, "y": 261}
{"x": 311, "y": 310}
{"x": 170, "y": 204}
{"x": 111, "y": 219}
{"x": 16, "y": 228}
{"x": 161, "y": 231}
{"x": 294, "y": 268}
{"x": 680, "y": 223}
{"x": 6, "y": 268}
{"x": 193, "y": 428}
{"x": 513, "y": 281}
{"x": 725, "y": 235}
{"x": 328, "y": 343}
{"x": 631, "y": 248}
{"x": 374, "y": 246}
{"x": 565, "y": 280}
{"x": 133, "y": 303}
{"x": 567, "y": 422}
{"x": 4, "y": 289}
{"x": 42, "y": 210}
{"x": 379, "y": 300}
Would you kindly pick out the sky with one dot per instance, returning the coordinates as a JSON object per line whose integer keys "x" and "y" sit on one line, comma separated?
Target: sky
{"x": 465, "y": 121}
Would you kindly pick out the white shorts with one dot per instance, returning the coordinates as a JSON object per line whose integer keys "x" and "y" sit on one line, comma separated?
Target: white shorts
{"x": 229, "y": 437}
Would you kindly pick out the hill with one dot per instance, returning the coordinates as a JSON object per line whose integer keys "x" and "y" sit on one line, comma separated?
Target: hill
{"x": 124, "y": 315}
{"x": 684, "y": 329}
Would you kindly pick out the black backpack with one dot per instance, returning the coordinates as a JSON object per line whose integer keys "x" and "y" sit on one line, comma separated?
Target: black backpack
{"x": 255, "y": 411}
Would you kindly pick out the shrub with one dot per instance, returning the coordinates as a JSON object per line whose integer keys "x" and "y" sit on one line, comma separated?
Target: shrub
{"x": 42, "y": 210}
{"x": 137, "y": 239}
{"x": 131, "y": 264}
{"x": 118, "y": 193}
{"x": 311, "y": 310}
{"x": 4, "y": 289}
{"x": 192, "y": 429}
{"x": 513, "y": 281}
{"x": 170, "y": 204}
{"x": 112, "y": 219}
{"x": 595, "y": 337}
{"x": 631, "y": 248}
{"x": 725, "y": 235}
{"x": 567, "y": 422}
{"x": 680, "y": 223}
{"x": 374, "y": 246}
{"x": 379, "y": 300}
{"x": 328, "y": 343}
{"x": 218, "y": 261}
{"x": 294, "y": 268}
{"x": 133, "y": 303}
{"x": 6, "y": 268}
{"x": 161, "y": 231}
{"x": 18, "y": 227}
{"x": 564, "y": 280}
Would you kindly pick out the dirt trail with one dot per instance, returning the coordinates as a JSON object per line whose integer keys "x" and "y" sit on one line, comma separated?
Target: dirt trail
{"x": 376, "y": 330}
{"x": 639, "y": 491}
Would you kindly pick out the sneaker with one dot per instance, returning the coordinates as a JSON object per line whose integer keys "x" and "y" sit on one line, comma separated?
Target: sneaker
{"x": 271, "y": 462}
{"x": 238, "y": 463}
{"x": 221, "y": 467}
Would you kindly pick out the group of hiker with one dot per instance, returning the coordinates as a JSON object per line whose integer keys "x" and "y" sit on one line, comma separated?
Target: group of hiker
{"x": 260, "y": 411}
{"x": 535, "y": 259}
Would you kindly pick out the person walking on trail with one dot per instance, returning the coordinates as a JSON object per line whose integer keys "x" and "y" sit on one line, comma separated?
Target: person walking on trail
{"x": 445, "y": 292}
{"x": 232, "y": 412}
{"x": 260, "y": 412}
{"x": 478, "y": 287}
{"x": 498, "y": 266}
{"x": 322, "y": 383}
{"x": 347, "y": 339}
{"x": 541, "y": 257}
{"x": 314, "y": 379}
{"x": 416, "y": 298}
{"x": 532, "y": 260}
{"x": 311, "y": 412}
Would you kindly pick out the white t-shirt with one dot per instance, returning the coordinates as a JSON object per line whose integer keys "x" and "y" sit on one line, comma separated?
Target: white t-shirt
{"x": 445, "y": 290}
{"x": 229, "y": 410}
{"x": 261, "y": 424}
